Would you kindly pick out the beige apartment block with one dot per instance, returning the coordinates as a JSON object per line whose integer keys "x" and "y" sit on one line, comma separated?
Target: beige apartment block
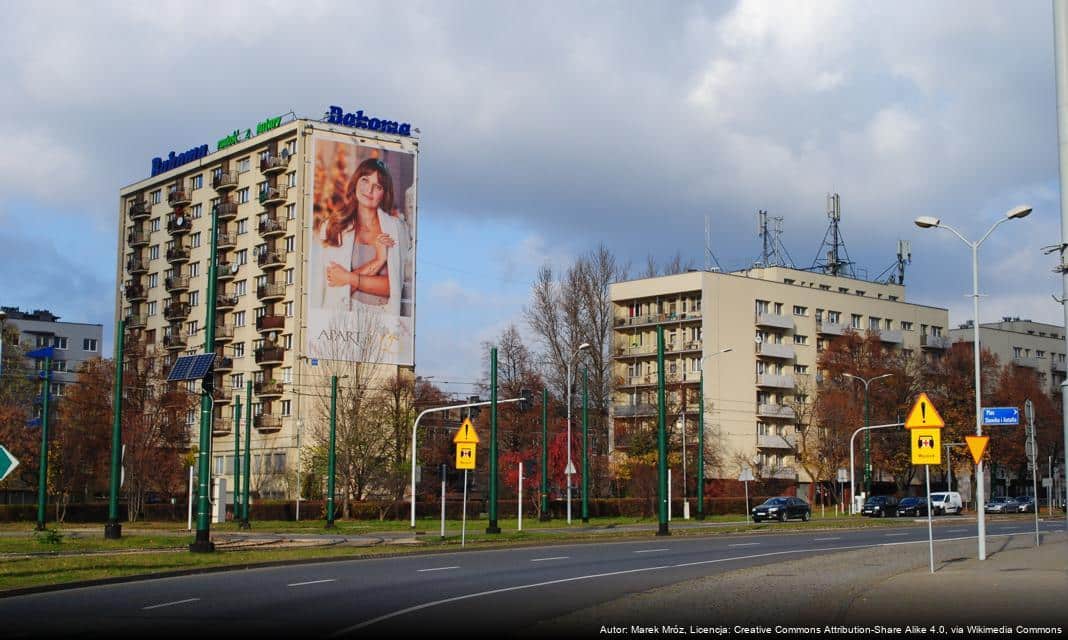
{"x": 1024, "y": 343}
{"x": 775, "y": 320}
{"x": 259, "y": 184}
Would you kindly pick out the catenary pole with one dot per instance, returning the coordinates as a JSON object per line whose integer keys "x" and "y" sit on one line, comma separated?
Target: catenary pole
{"x": 113, "y": 529}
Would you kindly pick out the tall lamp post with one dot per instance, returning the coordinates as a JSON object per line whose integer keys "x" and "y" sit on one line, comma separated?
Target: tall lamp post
{"x": 570, "y": 467}
{"x": 928, "y": 222}
{"x": 701, "y": 437}
{"x": 867, "y": 433}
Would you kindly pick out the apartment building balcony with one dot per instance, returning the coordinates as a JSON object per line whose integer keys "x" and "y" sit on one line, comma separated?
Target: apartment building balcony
{"x": 174, "y": 342}
{"x": 772, "y": 410}
{"x": 179, "y": 197}
{"x": 633, "y": 410}
{"x": 221, "y": 426}
{"x": 1059, "y": 366}
{"x": 636, "y": 351}
{"x": 176, "y": 311}
{"x": 178, "y": 225}
{"x": 830, "y": 329}
{"x": 774, "y": 320}
{"x": 222, "y": 362}
{"x": 136, "y": 265}
{"x": 225, "y": 241}
{"x": 270, "y": 322}
{"x": 777, "y": 381}
{"x": 226, "y": 210}
{"x": 679, "y": 378}
{"x": 176, "y": 284}
{"x": 935, "y": 342}
{"x": 772, "y": 350}
{"x": 658, "y": 318}
{"x": 271, "y": 259}
{"x": 221, "y": 395}
{"x": 636, "y": 381}
{"x": 273, "y": 196}
{"x": 1026, "y": 361}
{"x": 225, "y": 301}
{"x": 772, "y": 441}
{"x": 137, "y": 238}
{"x": 136, "y": 321}
{"x": 225, "y": 271}
{"x": 136, "y": 292}
{"x": 271, "y": 292}
{"x": 267, "y": 423}
{"x": 268, "y": 389}
{"x": 273, "y": 226}
{"x": 225, "y": 181}
{"x": 274, "y": 163}
{"x": 178, "y": 254}
{"x": 270, "y": 355}
{"x": 224, "y": 332}
{"x": 890, "y": 336}
{"x": 779, "y": 473}
{"x": 140, "y": 210}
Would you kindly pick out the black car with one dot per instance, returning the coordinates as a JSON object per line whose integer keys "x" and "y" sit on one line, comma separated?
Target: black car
{"x": 782, "y": 508}
{"x": 879, "y": 506}
{"x": 912, "y": 507}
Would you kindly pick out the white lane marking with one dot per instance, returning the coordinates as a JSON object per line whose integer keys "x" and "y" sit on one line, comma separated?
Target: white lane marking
{"x": 822, "y": 539}
{"x": 896, "y": 534}
{"x": 553, "y": 558}
{"x": 957, "y": 530}
{"x": 651, "y": 550}
{"x": 438, "y": 569}
{"x": 301, "y": 584}
{"x": 745, "y": 544}
{"x": 169, "y": 604}
{"x": 521, "y": 587}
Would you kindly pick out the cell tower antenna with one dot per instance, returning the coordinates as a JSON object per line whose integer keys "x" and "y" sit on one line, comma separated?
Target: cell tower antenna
{"x": 773, "y": 253}
{"x": 709, "y": 256}
{"x": 904, "y": 257}
{"x": 838, "y": 262}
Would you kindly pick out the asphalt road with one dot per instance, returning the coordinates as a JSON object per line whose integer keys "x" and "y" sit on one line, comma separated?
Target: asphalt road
{"x": 469, "y": 594}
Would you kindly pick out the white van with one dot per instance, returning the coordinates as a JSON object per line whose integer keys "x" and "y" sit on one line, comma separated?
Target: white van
{"x": 946, "y": 502}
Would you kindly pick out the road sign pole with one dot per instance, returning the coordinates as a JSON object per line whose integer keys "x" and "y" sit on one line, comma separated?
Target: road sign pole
{"x": 237, "y": 460}
{"x": 930, "y": 529}
{"x": 519, "y": 502}
{"x": 42, "y": 480}
{"x": 202, "y": 543}
{"x": 1029, "y": 410}
{"x": 544, "y": 517}
{"x": 332, "y": 459}
{"x": 493, "y": 528}
{"x": 463, "y": 524}
{"x": 701, "y": 447}
{"x": 113, "y": 529}
{"x": 444, "y": 471}
{"x": 585, "y": 445}
{"x": 661, "y": 437}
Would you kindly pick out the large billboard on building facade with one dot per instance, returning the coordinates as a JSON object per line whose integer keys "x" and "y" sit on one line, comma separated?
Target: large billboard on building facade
{"x": 361, "y": 252}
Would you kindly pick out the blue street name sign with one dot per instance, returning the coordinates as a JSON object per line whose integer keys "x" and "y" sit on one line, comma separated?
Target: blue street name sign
{"x": 1001, "y": 416}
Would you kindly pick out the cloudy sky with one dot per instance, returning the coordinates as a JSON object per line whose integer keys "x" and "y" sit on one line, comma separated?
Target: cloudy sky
{"x": 550, "y": 127}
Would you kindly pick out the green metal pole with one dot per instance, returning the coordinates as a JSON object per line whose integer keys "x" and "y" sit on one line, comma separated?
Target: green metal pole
{"x": 867, "y": 445}
{"x": 237, "y": 459}
{"x": 113, "y": 530}
{"x": 247, "y": 475}
{"x": 493, "y": 528}
{"x": 203, "y": 543}
{"x": 42, "y": 481}
{"x": 545, "y": 517}
{"x": 701, "y": 448}
{"x": 331, "y": 461}
{"x": 585, "y": 445}
{"x": 661, "y": 435}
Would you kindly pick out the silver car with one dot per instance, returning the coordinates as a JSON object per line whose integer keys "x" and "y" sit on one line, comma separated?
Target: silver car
{"x": 1002, "y": 505}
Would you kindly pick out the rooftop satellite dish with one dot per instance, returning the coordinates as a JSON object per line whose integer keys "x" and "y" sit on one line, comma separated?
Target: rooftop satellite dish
{"x": 285, "y": 153}
{"x": 179, "y": 220}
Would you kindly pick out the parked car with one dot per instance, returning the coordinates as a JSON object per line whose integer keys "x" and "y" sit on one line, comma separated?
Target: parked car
{"x": 1025, "y": 504}
{"x": 946, "y": 502}
{"x": 781, "y": 508}
{"x": 913, "y": 507}
{"x": 1001, "y": 504}
{"x": 879, "y": 506}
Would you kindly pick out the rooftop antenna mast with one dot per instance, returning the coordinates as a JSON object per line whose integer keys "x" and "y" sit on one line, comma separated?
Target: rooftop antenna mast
{"x": 904, "y": 256}
{"x": 709, "y": 256}
{"x": 838, "y": 262}
{"x": 774, "y": 253}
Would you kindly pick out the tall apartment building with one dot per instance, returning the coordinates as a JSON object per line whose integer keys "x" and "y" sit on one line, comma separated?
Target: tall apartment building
{"x": 1034, "y": 345}
{"x": 74, "y": 342}
{"x": 286, "y": 199}
{"x": 775, "y": 320}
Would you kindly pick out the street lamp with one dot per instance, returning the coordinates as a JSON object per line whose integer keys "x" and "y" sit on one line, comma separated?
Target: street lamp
{"x": 928, "y": 222}
{"x": 701, "y": 438}
{"x": 570, "y": 468}
{"x": 867, "y": 433}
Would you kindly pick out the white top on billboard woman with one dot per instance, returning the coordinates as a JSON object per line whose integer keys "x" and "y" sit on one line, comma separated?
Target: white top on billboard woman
{"x": 335, "y": 298}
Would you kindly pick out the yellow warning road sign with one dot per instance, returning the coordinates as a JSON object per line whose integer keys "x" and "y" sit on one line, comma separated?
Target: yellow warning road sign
{"x": 977, "y": 445}
{"x": 466, "y": 433}
{"x": 926, "y": 445}
{"x": 465, "y": 455}
{"x": 924, "y": 415}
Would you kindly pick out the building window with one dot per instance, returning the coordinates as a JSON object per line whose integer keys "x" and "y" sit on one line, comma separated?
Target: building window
{"x": 936, "y": 331}
{"x": 825, "y": 287}
{"x": 155, "y": 196}
{"x": 243, "y": 165}
{"x": 287, "y": 341}
{"x": 196, "y": 182}
{"x": 237, "y": 381}
{"x": 239, "y": 318}
{"x": 196, "y": 211}
{"x": 194, "y": 269}
{"x": 291, "y": 179}
{"x": 1040, "y": 354}
{"x": 286, "y": 405}
{"x": 241, "y": 257}
{"x": 801, "y": 369}
{"x": 800, "y": 311}
{"x": 194, "y": 240}
{"x": 152, "y": 308}
{"x": 287, "y": 375}
{"x": 89, "y": 344}
{"x": 762, "y": 306}
{"x": 778, "y": 308}
{"x": 859, "y": 292}
{"x": 291, "y": 212}
{"x": 288, "y": 276}
{"x": 59, "y": 342}
{"x": 240, "y": 288}
{"x": 291, "y": 244}
{"x": 906, "y": 326}
{"x": 153, "y": 252}
{"x": 192, "y": 327}
{"x": 153, "y": 280}
{"x": 799, "y": 339}
{"x": 261, "y": 188}
{"x": 855, "y": 321}
{"x": 194, "y": 298}
{"x": 242, "y": 226}
{"x": 873, "y": 323}
{"x": 155, "y": 224}
{"x": 888, "y": 324}
{"x": 242, "y": 196}
{"x": 289, "y": 309}
{"x": 834, "y": 317}
{"x": 291, "y": 147}
{"x": 239, "y": 349}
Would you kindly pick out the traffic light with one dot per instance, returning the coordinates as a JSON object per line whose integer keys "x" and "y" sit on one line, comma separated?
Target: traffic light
{"x": 526, "y": 401}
